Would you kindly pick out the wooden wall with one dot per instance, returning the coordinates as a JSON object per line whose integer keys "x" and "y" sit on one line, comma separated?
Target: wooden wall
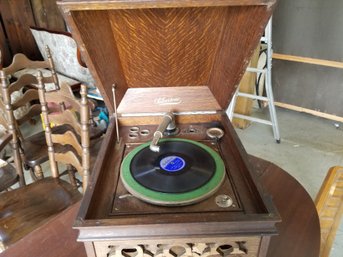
{"x": 17, "y": 16}
{"x": 312, "y": 29}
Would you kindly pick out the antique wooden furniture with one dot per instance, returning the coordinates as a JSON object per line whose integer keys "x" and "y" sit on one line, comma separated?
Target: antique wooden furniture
{"x": 21, "y": 96}
{"x": 53, "y": 238}
{"x": 184, "y": 58}
{"x": 299, "y": 231}
{"x": 329, "y": 203}
{"x": 24, "y": 210}
{"x": 77, "y": 137}
{"x": 22, "y": 65}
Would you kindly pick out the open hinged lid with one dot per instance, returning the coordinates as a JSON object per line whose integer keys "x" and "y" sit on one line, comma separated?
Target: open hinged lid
{"x": 145, "y": 43}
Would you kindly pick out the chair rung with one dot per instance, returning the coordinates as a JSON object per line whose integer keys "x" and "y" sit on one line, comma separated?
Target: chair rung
{"x": 245, "y": 117}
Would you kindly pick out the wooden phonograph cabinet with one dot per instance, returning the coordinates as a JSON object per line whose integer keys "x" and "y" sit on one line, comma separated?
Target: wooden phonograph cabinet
{"x": 171, "y": 178}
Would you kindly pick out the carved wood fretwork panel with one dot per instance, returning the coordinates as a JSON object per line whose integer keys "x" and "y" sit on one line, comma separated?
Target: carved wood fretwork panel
{"x": 238, "y": 247}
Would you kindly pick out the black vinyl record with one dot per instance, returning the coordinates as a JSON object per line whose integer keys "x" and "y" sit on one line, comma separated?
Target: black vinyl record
{"x": 179, "y": 167}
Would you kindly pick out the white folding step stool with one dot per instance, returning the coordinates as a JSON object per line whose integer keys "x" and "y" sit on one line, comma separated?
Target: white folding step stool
{"x": 266, "y": 39}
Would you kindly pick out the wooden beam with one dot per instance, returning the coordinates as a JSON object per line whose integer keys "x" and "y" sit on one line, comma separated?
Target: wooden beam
{"x": 321, "y": 62}
{"x": 309, "y": 111}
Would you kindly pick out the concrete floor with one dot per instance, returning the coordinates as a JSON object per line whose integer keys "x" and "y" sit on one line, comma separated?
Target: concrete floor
{"x": 309, "y": 147}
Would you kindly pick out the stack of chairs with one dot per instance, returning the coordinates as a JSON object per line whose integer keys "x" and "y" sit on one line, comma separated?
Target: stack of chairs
{"x": 66, "y": 138}
{"x": 21, "y": 96}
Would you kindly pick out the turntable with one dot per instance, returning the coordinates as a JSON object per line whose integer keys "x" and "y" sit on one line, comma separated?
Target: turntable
{"x": 181, "y": 173}
{"x": 172, "y": 178}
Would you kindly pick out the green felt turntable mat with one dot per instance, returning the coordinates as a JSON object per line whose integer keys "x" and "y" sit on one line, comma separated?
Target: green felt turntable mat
{"x": 161, "y": 198}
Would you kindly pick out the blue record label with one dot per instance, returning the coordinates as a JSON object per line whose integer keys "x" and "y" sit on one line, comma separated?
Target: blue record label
{"x": 172, "y": 163}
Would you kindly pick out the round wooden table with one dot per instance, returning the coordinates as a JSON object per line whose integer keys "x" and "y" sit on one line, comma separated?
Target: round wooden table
{"x": 299, "y": 231}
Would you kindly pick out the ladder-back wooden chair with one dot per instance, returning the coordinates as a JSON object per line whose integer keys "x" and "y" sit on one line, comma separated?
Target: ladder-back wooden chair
{"x": 26, "y": 209}
{"x": 6, "y": 107}
{"x": 22, "y": 65}
{"x": 21, "y": 97}
{"x": 78, "y": 137}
